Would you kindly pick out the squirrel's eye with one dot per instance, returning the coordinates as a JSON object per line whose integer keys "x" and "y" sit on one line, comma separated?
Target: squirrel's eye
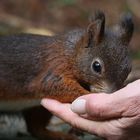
{"x": 96, "y": 66}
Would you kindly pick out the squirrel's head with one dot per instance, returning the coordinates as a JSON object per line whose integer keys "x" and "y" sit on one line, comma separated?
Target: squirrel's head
{"x": 102, "y": 54}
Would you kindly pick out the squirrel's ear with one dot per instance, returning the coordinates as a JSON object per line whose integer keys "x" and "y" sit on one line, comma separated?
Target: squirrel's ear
{"x": 96, "y": 27}
{"x": 125, "y": 28}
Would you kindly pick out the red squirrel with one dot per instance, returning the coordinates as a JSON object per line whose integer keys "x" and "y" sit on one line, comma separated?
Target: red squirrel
{"x": 62, "y": 67}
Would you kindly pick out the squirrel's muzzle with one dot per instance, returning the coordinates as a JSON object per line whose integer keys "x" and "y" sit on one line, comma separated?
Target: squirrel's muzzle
{"x": 103, "y": 86}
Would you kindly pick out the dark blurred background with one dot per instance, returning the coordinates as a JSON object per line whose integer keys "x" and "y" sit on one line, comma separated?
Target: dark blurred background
{"x": 57, "y": 16}
{"x": 47, "y": 16}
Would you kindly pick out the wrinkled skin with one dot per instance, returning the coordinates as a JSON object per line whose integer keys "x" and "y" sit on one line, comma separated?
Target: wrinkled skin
{"x": 111, "y": 116}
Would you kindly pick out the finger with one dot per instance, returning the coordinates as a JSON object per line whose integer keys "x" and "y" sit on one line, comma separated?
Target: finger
{"x": 98, "y": 106}
{"x": 64, "y": 112}
{"x": 103, "y": 106}
{"x": 54, "y": 106}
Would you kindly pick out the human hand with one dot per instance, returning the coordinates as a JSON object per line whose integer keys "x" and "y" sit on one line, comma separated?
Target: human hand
{"x": 112, "y": 116}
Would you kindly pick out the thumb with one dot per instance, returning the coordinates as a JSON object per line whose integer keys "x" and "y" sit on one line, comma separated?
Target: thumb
{"x": 97, "y": 106}
{"x": 104, "y": 106}
{"x": 107, "y": 106}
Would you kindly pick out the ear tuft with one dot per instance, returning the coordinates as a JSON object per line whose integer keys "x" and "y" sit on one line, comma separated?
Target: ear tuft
{"x": 98, "y": 15}
{"x": 127, "y": 25}
{"x": 125, "y": 28}
{"x": 96, "y": 27}
{"x": 126, "y": 22}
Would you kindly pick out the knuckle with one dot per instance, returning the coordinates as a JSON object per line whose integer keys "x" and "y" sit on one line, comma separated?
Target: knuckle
{"x": 95, "y": 109}
{"x": 132, "y": 108}
{"x": 75, "y": 123}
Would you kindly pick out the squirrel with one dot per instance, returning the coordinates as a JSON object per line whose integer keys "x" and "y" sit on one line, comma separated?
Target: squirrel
{"x": 62, "y": 67}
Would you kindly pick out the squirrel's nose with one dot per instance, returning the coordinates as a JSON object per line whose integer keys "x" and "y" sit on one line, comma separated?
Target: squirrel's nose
{"x": 103, "y": 86}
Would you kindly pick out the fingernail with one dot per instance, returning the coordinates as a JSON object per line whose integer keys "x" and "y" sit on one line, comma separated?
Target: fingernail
{"x": 43, "y": 102}
{"x": 78, "y": 106}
